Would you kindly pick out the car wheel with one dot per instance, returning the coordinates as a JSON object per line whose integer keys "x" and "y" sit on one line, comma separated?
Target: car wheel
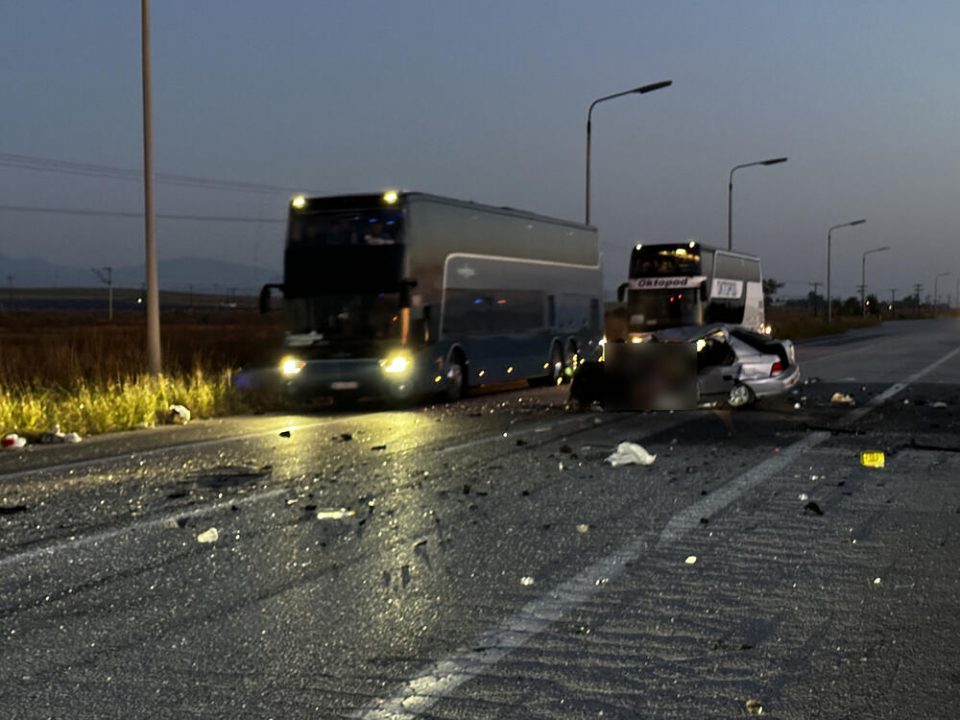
{"x": 740, "y": 396}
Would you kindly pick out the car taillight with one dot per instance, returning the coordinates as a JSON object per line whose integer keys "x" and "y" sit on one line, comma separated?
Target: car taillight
{"x": 777, "y": 368}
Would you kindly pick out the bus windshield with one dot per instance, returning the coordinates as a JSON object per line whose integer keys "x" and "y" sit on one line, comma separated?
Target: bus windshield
{"x": 654, "y": 261}
{"x": 355, "y": 227}
{"x": 649, "y": 309}
{"x": 350, "y": 317}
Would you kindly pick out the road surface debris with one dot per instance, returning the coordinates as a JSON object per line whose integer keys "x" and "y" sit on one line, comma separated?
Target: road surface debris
{"x": 526, "y": 581}
{"x": 840, "y": 398}
{"x": 13, "y": 441}
{"x": 335, "y": 514}
{"x": 178, "y": 414}
{"x": 691, "y": 560}
{"x": 872, "y": 458}
{"x": 628, "y": 453}
{"x": 209, "y": 536}
{"x": 754, "y": 707}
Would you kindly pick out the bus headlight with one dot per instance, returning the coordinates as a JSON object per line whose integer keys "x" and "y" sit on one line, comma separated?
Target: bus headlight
{"x": 291, "y": 366}
{"x": 397, "y": 364}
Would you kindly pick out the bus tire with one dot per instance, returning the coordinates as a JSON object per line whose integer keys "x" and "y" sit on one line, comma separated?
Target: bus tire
{"x": 554, "y": 374}
{"x": 571, "y": 359}
{"x": 456, "y": 373}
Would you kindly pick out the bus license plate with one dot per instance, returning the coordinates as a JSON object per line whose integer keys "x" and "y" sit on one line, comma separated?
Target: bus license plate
{"x": 344, "y": 385}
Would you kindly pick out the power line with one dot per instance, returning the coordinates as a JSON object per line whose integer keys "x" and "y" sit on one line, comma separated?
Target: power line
{"x": 42, "y": 164}
{"x": 128, "y": 214}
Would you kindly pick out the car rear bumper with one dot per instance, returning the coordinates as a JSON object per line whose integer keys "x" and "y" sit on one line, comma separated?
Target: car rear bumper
{"x": 776, "y": 385}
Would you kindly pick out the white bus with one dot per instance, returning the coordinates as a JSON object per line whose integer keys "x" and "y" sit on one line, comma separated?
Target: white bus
{"x": 402, "y": 294}
{"x": 692, "y": 284}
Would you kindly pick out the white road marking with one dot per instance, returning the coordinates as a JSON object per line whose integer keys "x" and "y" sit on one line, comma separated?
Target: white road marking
{"x": 437, "y": 682}
{"x": 161, "y": 521}
{"x": 137, "y": 454}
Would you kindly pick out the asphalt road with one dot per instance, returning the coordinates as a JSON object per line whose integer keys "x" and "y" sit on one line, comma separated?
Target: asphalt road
{"x": 482, "y": 560}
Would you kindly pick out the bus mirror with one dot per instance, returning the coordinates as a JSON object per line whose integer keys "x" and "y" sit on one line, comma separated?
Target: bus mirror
{"x": 621, "y": 292}
{"x": 405, "y": 287}
{"x": 265, "y": 296}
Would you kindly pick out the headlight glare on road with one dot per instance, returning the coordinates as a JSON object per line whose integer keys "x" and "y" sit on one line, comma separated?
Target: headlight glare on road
{"x": 397, "y": 364}
{"x": 291, "y": 366}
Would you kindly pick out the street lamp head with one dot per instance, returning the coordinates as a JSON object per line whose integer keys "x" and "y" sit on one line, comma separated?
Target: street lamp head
{"x": 653, "y": 86}
{"x": 774, "y": 161}
{"x": 857, "y": 222}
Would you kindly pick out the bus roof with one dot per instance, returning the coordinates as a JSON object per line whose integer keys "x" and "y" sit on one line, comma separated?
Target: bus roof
{"x": 378, "y": 200}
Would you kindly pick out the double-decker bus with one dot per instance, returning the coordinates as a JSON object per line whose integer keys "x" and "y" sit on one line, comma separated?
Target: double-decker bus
{"x": 692, "y": 284}
{"x": 403, "y": 294}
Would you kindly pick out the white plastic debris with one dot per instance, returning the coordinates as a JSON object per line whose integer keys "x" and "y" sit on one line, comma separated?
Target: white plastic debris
{"x": 938, "y": 404}
{"x": 754, "y": 707}
{"x": 335, "y": 514}
{"x": 54, "y": 435}
{"x": 178, "y": 414}
{"x": 803, "y": 497}
{"x": 628, "y": 453}
{"x": 691, "y": 560}
{"x": 876, "y": 581}
{"x": 209, "y": 536}
{"x": 840, "y": 398}
{"x": 526, "y": 581}
{"x": 12, "y": 441}
{"x": 583, "y": 528}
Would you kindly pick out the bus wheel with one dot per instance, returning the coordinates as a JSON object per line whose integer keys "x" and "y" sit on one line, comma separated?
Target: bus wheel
{"x": 554, "y": 369}
{"x": 740, "y": 396}
{"x": 456, "y": 378}
{"x": 571, "y": 359}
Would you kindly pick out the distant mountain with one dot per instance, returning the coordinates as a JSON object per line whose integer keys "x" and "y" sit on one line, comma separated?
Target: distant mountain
{"x": 203, "y": 274}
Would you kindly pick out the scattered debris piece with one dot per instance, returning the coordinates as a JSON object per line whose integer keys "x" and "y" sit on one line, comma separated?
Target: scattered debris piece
{"x": 863, "y": 388}
{"x": 691, "y": 560}
{"x": 344, "y": 437}
{"x": 628, "y": 453}
{"x": 13, "y": 441}
{"x": 872, "y": 458}
{"x": 601, "y": 581}
{"x": 178, "y": 414}
{"x": 12, "y": 509}
{"x": 876, "y": 581}
{"x": 379, "y": 447}
{"x": 704, "y": 521}
{"x": 906, "y": 401}
{"x": 797, "y": 406}
{"x": 754, "y": 707}
{"x": 526, "y": 581}
{"x": 209, "y": 536}
{"x": 812, "y": 507}
{"x": 335, "y": 514}
{"x": 938, "y": 404}
{"x": 566, "y": 449}
{"x": 521, "y": 442}
{"x": 285, "y": 433}
{"x": 560, "y": 466}
{"x": 840, "y": 398}
{"x": 466, "y": 488}
{"x": 583, "y": 528}
{"x": 803, "y": 497}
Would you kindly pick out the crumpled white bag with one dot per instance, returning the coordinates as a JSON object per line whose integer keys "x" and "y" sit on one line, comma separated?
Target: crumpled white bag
{"x": 628, "y": 453}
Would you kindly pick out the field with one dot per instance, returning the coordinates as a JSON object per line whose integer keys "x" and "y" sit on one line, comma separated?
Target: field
{"x": 75, "y": 369}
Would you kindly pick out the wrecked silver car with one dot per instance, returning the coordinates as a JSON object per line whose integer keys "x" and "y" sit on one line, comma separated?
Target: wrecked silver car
{"x": 688, "y": 367}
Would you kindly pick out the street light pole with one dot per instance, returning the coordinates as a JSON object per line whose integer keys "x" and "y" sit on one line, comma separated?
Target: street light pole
{"x": 863, "y": 278}
{"x": 637, "y": 90}
{"x": 771, "y": 161}
{"x": 149, "y": 212}
{"x": 829, "y": 234}
{"x": 935, "y": 296}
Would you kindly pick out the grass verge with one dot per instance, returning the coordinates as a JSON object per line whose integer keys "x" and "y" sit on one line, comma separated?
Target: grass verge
{"x": 89, "y": 408}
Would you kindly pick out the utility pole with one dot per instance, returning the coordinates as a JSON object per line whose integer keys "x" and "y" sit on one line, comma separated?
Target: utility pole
{"x": 917, "y": 288}
{"x": 106, "y": 277}
{"x": 149, "y": 213}
{"x": 815, "y": 285}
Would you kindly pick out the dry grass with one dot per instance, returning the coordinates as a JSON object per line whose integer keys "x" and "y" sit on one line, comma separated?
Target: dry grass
{"x": 90, "y": 377}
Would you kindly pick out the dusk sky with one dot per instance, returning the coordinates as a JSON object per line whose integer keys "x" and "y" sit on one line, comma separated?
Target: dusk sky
{"x": 487, "y": 101}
